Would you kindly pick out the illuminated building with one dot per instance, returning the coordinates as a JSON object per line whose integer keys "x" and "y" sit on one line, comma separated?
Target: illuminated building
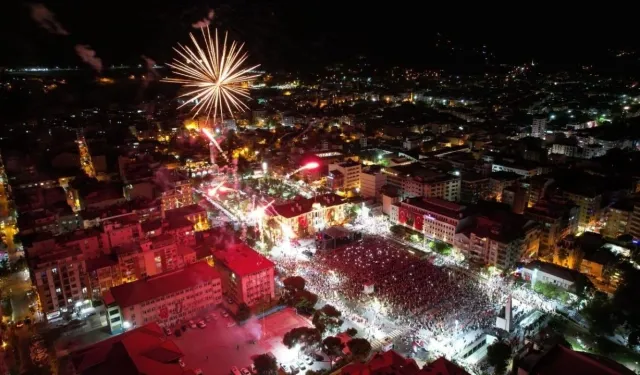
{"x": 167, "y": 299}
{"x": 85, "y": 157}
{"x": 525, "y": 169}
{"x": 309, "y": 215}
{"x": 498, "y": 181}
{"x": 550, "y": 273}
{"x": 634, "y": 227}
{"x": 588, "y": 202}
{"x": 179, "y": 195}
{"x": 59, "y": 277}
{"x": 436, "y": 218}
{"x": 350, "y": 171}
{"x": 371, "y": 182}
{"x": 195, "y": 214}
{"x": 416, "y": 181}
{"x": 498, "y": 238}
{"x": 557, "y": 222}
{"x": 247, "y": 276}
{"x": 539, "y": 128}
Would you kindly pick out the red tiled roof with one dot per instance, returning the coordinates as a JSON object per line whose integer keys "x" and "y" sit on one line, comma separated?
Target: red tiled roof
{"x": 241, "y": 259}
{"x": 131, "y": 294}
{"x": 144, "y": 350}
{"x": 383, "y": 363}
{"x": 301, "y": 206}
{"x": 439, "y": 206}
{"x": 442, "y": 366}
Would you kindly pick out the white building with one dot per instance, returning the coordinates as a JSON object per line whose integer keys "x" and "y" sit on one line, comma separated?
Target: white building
{"x": 522, "y": 170}
{"x": 167, "y": 299}
{"x": 550, "y": 273}
{"x": 371, "y": 181}
{"x": 539, "y": 127}
{"x": 59, "y": 277}
{"x": 351, "y": 172}
{"x": 436, "y": 218}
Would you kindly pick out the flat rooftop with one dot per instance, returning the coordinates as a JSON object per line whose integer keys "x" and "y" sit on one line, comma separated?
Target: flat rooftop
{"x": 241, "y": 259}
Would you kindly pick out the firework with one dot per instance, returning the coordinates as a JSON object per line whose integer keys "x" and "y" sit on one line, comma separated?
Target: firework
{"x": 311, "y": 165}
{"x": 214, "y": 75}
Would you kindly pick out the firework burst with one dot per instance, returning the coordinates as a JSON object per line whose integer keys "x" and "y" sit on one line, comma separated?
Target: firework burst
{"x": 214, "y": 75}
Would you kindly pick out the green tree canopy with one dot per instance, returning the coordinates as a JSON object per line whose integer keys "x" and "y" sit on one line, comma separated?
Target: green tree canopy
{"x": 360, "y": 348}
{"x": 265, "y": 365}
{"x": 498, "y": 355}
{"x": 327, "y": 318}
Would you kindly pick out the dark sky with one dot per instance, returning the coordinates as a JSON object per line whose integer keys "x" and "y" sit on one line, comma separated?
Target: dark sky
{"x": 295, "y": 34}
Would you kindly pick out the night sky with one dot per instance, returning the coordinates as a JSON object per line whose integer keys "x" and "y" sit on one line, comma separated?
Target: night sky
{"x": 292, "y": 35}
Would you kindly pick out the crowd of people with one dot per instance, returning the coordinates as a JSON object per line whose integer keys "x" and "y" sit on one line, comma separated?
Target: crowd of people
{"x": 412, "y": 292}
{"x": 412, "y": 289}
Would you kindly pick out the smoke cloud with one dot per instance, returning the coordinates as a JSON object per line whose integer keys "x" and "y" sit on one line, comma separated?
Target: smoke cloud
{"x": 46, "y": 19}
{"x": 89, "y": 56}
{"x": 205, "y": 21}
{"x": 153, "y": 74}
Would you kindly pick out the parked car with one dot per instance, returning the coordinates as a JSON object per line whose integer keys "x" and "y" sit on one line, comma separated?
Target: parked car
{"x": 235, "y": 371}
{"x": 231, "y": 324}
{"x": 192, "y": 324}
{"x": 167, "y": 331}
{"x": 225, "y": 314}
{"x": 294, "y": 369}
{"x": 202, "y": 324}
{"x": 244, "y": 371}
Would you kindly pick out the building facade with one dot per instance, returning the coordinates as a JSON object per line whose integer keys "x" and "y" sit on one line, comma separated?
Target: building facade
{"x": 247, "y": 276}
{"x": 167, "y": 299}
{"x": 435, "y": 218}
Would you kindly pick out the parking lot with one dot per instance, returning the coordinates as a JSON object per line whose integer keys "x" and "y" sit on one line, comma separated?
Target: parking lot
{"x": 217, "y": 347}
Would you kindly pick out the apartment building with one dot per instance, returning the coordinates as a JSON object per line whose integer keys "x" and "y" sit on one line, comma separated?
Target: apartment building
{"x": 350, "y": 171}
{"x": 371, "y": 181}
{"x": 59, "y": 278}
{"x": 247, "y": 276}
{"x": 167, "y": 299}
{"x": 436, "y": 218}
{"x": 498, "y": 239}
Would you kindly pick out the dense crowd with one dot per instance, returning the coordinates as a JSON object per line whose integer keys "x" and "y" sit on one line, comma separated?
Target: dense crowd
{"x": 413, "y": 292}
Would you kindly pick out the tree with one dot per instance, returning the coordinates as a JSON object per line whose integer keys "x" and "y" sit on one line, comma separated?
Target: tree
{"x": 360, "y": 349}
{"x": 327, "y": 319}
{"x": 244, "y": 312}
{"x": 352, "y": 332}
{"x": 294, "y": 283}
{"x": 305, "y": 336}
{"x": 498, "y": 355}
{"x": 332, "y": 346}
{"x": 398, "y": 230}
{"x": 265, "y": 365}
{"x": 303, "y": 298}
{"x": 600, "y": 313}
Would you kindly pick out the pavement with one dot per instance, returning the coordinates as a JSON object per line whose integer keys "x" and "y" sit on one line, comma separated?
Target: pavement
{"x": 16, "y": 286}
{"x": 216, "y": 348}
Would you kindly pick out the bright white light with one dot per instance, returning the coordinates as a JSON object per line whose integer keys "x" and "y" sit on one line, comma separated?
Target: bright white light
{"x": 126, "y": 325}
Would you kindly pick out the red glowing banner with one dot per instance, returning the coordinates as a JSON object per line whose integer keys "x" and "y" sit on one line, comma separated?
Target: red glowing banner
{"x": 418, "y": 222}
{"x": 302, "y": 221}
{"x": 402, "y": 217}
